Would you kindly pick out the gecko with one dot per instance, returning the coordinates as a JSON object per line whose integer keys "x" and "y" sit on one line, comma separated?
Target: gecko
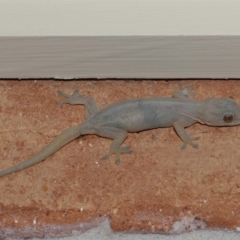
{"x": 136, "y": 115}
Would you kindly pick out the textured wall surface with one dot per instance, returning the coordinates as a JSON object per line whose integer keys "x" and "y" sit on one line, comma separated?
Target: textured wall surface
{"x": 157, "y": 188}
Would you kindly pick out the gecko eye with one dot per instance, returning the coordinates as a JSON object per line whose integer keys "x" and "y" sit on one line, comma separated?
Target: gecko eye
{"x": 227, "y": 118}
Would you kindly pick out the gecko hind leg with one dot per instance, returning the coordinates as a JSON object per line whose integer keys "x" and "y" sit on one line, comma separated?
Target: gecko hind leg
{"x": 118, "y": 136}
{"x": 75, "y": 98}
{"x": 117, "y": 152}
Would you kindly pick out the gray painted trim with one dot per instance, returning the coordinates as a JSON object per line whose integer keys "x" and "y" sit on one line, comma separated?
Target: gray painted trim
{"x": 120, "y": 57}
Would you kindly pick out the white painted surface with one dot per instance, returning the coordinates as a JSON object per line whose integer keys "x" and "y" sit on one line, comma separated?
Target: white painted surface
{"x": 119, "y": 39}
{"x": 119, "y": 17}
{"x": 103, "y": 232}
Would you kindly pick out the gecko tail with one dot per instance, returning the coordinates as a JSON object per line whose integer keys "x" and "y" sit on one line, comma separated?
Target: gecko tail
{"x": 58, "y": 142}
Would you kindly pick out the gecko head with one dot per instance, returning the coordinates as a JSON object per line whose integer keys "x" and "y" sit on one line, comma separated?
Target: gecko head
{"x": 220, "y": 112}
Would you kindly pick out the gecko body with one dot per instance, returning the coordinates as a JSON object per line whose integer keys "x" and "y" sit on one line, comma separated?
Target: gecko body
{"x": 136, "y": 115}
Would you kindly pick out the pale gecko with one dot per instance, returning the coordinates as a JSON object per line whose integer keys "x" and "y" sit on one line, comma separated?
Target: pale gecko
{"x": 136, "y": 115}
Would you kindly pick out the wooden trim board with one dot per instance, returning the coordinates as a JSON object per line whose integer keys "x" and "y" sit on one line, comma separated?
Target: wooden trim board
{"x": 120, "y": 57}
{"x": 119, "y": 39}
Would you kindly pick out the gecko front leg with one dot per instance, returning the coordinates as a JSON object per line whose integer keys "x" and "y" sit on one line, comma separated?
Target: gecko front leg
{"x": 187, "y": 139}
{"x": 184, "y": 92}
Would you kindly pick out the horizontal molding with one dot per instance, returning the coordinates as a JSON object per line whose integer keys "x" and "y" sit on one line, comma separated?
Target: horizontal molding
{"x": 120, "y": 57}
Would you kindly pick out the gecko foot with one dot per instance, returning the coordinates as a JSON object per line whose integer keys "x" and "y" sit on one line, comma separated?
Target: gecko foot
{"x": 184, "y": 92}
{"x": 120, "y": 150}
{"x": 124, "y": 149}
{"x": 190, "y": 142}
{"x": 71, "y": 99}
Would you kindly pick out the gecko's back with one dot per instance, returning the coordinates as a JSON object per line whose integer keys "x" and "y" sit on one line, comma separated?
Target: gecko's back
{"x": 142, "y": 114}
